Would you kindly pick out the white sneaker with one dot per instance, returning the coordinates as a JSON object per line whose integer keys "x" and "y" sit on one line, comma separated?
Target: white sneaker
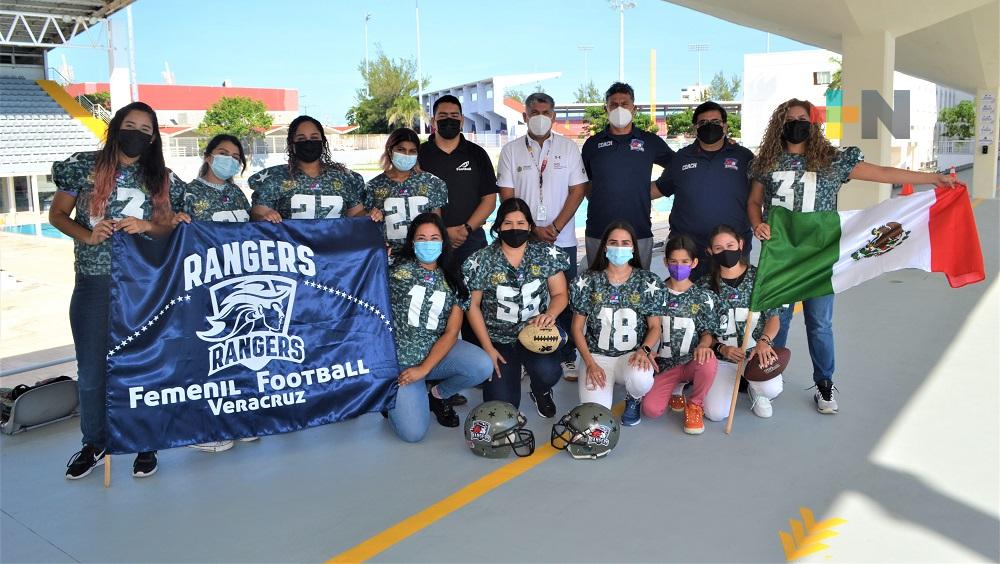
{"x": 249, "y": 439}
{"x": 214, "y": 446}
{"x": 825, "y": 398}
{"x": 760, "y": 405}
{"x": 569, "y": 371}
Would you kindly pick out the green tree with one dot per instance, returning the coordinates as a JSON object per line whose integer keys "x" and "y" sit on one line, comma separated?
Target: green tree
{"x": 100, "y": 98}
{"x": 587, "y": 94}
{"x": 959, "y": 120}
{"x": 680, "y": 123}
{"x": 835, "y": 78}
{"x": 516, "y": 94}
{"x": 721, "y": 89}
{"x": 596, "y": 119}
{"x": 242, "y": 117}
{"x": 386, "y": 80}
{"x": 404, "y": 111}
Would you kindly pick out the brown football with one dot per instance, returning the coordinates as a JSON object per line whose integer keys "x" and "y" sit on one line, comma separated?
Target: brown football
{"x": 755, "y": 373}
{"x": 542, "y": 340}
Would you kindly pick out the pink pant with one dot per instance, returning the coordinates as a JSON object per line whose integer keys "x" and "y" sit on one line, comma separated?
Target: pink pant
{"x": 655, "y": 402}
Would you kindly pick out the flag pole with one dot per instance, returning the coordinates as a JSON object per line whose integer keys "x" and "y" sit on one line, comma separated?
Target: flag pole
{"x": 107, "y": 470}
{"x": 739, "y": 371}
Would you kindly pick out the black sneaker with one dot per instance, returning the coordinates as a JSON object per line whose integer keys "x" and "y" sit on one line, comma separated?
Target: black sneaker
{"x": 544, "y": 404}
{"x": 443, "y": 411}
{"x": 457, "y": 399}
{"x": 826, "y": 401}
{"x": 144, "y": 465}
{"x": 84, "y": 461}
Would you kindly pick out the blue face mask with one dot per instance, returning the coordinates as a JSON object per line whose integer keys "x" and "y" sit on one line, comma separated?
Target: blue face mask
{"x": 403, "y": 162}
{"x": 427, "y": 251}
{"x": 224, "y": 166}
{"x": 618, "y": 255}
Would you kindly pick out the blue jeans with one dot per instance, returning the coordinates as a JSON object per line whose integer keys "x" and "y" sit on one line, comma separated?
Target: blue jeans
{"x": 465, "y": 366}
{"x": 543, "y": 370}
{"x": 565, "y": 319}
{"x": 818, "y": 313}
{"x": 88, "y": 320}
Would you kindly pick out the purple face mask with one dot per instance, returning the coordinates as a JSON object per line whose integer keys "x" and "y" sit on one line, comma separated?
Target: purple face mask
{"x": 679, "y": 271}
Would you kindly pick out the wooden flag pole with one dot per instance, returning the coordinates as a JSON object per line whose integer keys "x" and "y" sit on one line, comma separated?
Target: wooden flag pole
{"x": 107, "y": 470}
{"x": 748, "y": 328}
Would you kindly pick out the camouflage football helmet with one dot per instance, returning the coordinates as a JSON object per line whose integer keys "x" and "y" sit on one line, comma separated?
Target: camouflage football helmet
{"x": 495, "y": 428}
{"x": 587, "y": 431}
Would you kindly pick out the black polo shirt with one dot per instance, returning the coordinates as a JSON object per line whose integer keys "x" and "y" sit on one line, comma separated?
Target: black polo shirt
{"x": 709, "y": 189}
{"x": 620, "y": 168}
{"x": 468, "y": 172}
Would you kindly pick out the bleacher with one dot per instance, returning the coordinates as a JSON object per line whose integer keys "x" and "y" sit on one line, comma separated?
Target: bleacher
{"x": 35, "y": 130}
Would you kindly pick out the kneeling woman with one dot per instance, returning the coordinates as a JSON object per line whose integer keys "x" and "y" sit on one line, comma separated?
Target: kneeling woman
{"x": 688, "y": 314}
{"x": 427, "y": 319}
{"x": 515, "y": 281}
{"x": 731, "y": 282}
{"x": 616, "y": 322}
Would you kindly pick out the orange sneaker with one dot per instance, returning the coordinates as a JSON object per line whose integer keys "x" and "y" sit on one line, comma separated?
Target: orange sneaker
{"x": 677, "y": 403}
{"x": 693, "y": 424}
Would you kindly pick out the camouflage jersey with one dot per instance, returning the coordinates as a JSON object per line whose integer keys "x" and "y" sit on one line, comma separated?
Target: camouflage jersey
{"x": 732, "y": 306}
{"x": 421, "y": 303}
{"x": 791, "y": 186}
{"x": 402, "y": 201}
{"x": 512, "y": 296}
{"x": 129, "y": 198}
{"x": 616, "y": 315}
{"x": 299, "y": 196}
{"x": 207, "y": 202}
{"x": 684, "y": 317}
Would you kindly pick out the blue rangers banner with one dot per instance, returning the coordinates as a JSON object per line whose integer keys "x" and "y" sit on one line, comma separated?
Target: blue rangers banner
{"x": 232, "y": 330}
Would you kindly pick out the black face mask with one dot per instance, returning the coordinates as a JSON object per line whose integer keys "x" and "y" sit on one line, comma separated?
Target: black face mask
{"x": 449, "y": 128}
{"x": 308, "y": 151}
{"x": 515, "y": 237}
{"x": 728, "y": 258}
{"x": 710, "y": 133}
{"x": 796, "y": 131}
{"x": 133, "y": 142}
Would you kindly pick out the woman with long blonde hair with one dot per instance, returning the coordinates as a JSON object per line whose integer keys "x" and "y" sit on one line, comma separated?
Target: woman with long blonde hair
{"x": 797, "y": 168}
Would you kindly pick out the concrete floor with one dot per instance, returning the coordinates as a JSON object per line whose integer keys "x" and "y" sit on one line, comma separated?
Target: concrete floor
{"x": 911, "y": 462}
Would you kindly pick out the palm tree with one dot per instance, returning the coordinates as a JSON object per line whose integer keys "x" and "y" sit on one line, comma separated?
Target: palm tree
{"x": 404, "y": 111}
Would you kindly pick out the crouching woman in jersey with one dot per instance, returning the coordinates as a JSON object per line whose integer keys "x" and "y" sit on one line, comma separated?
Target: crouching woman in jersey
{"x": 427, "y": 319}
{"x": 688, "y": 324}
{"x": 731, "y": 282}
{"x": 616, "y": 322}
{"x": 125, "y": 186}
{"x": 515, "y": 281}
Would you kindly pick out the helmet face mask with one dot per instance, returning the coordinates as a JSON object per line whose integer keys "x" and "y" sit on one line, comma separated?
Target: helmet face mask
{"x": 588, "y": 431}
{"x": 494, "y": 429}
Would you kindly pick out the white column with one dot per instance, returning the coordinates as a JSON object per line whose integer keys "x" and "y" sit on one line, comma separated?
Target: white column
{"x": 118, "y": 73}
{"x": 868, "y": 62}
{"x": 33, "y": 203}
{"x": 984, "y": 165}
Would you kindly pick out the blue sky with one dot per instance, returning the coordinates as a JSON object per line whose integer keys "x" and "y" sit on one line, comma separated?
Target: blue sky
{"x": 315, "y": 45}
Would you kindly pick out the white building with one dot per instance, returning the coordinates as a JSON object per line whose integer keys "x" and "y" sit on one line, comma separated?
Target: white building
{"x": 772, "y": 78}
{"x": 693, "y": 93}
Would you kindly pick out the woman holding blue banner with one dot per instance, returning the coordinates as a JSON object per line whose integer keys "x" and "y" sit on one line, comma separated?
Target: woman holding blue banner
{"x": 124, "y": 186}
{"x": 427, "y": 320}
{"x": 516, "y": 281}
{"x": 311, "y": 186}
{"x": 403, "y": 192}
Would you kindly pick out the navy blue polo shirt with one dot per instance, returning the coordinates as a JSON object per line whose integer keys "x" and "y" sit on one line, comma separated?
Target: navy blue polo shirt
{"x": 620, "y": 168}
{"x": 709, "y": 189}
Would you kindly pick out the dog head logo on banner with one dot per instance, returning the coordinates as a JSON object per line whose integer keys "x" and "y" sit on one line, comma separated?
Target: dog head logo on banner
{"x": 249, "y": 325}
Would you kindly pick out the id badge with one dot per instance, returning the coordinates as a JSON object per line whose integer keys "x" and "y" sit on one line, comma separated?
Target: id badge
{"x": 540, "y": 216}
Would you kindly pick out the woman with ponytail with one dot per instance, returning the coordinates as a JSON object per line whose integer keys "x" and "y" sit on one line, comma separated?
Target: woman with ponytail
{"x": 124, "y": 186}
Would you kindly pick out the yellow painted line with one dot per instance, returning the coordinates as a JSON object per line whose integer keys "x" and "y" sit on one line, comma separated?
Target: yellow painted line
{"x": 74, "y": 109}
{"x": 419, "y": 521}
{"x": 977, "y": 201}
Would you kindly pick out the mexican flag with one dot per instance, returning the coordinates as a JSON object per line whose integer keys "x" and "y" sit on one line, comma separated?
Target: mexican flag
{"x": 818, "y": 253}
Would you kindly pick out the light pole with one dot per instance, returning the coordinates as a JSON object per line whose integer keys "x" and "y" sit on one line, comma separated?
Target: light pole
{"x": 586, "y": 49}
{"x": 698, "y": 48}
{"x": 621, "y": 6}
{"x": 367, "y": 18}
{"x": 420, "y": 72}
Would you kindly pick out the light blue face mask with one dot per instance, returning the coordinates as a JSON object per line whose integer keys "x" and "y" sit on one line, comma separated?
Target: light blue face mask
{"x": 403, "y": 162}
{"x": 224, "y": 166}
{"x": 618, "y": 255}
{"x": 427, "y": 251}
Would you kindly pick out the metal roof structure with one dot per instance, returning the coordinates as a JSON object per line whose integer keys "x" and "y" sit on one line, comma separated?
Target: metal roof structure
{"x": 52, "y": 23}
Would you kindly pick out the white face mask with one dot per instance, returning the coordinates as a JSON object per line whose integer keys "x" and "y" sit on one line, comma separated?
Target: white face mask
{"x": 539, "y": 125}
{"x": 620, "y": 117}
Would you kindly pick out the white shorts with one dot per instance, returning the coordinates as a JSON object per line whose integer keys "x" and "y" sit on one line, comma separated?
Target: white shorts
{"x": 617, "y": 370}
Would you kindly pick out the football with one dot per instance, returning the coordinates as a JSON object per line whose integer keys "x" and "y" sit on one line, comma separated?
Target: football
{"x": 542, "y": 340}
{"x": 755, "y": 373}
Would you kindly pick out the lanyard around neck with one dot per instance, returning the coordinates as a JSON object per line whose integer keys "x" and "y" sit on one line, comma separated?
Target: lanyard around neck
{"x": 539, "y": 168}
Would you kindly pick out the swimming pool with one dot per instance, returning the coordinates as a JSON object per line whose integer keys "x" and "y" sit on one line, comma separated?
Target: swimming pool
{"x": 47, "y": 230}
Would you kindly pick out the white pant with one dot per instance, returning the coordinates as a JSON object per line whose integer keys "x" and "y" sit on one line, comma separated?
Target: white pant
{"x": 617, "y": 371}
{"x": 720, "y": 395}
